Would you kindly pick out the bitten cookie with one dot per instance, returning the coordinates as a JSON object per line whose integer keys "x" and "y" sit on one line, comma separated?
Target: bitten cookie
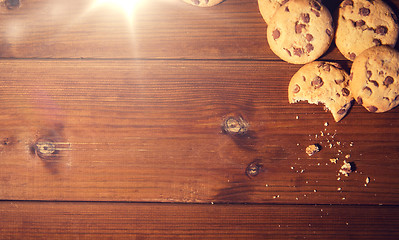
{"x": 300, "y": 31}
{"x": 268, "y": 7}
{"x": 203, "y": 3}
{"x": 362, "y": 24}
{"x": 375, "y": 79}
{"x": 322, "y": 82}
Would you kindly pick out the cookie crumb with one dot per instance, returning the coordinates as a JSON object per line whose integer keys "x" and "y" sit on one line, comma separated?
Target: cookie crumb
{"x": 346, "y": 168}
{"x": 333, "y": 160}
{"x": 326, "y": 124}
{"x": 347, "y": 156}
{"x": 339, "y": 189}
{"x": 297, "y": 117}
{"x": 312, "y": 149}
{"x": 367, "y": 181}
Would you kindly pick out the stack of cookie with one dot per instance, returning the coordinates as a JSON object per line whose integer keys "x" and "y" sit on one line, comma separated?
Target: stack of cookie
{"x": 301, "y": 31}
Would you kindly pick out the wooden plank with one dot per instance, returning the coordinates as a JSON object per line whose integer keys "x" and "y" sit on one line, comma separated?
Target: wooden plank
{"x": 36, "y": 220}
{"x": 152, "y": 131}
{"x": 158, "y": 29}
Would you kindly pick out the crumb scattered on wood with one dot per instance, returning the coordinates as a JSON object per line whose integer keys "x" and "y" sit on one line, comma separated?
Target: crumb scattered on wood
{"x": 346, "y": 169}
{"x": 312, "y": 149}
{"x": 333, "y": 160}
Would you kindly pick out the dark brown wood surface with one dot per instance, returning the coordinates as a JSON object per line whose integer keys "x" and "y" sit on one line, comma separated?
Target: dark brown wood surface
{"x": 115, "y": 126}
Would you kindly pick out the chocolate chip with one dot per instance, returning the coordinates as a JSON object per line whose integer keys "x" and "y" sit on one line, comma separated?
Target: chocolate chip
{"x": 305, "y": 17}
{"x": 381, "y": 30}
{"x": 396, "y": 98}
{"x": 327, "y": 67}
{"x": 374, "y": 82}
{"x": 336, "y": 65}
{"x": 276, "y": 34}
{"x": 345, "y": 92}
{"x": 329, "y": 32}
{"x": 298, "y": 51}
{"x": 364, "y": 11}
{"x": 315, "y": 5}
{"x": 367, "y": 91}
{"x": 341, "y": 111}
{"x": 309, "y": 47}
{"x": 299, "y": 27}
{"x": 287, "y": 9}
{"x": 317, "y": 82}
{"x": 369, "y": 74}
{"x": 284, "y": 2}
{"x": 359, "y": 100}
{"x": 297, "y": 88}
{"x": 352, "y": 56}
{"x": 377, "y": 42}
{"x": 372, "y": 108}
{"x": 309, "y": 37}
{"x": 359, "y": 23}
{"x": 388, "y": 81}
{"x": 206, "y": 1}
{"x": 196, "y": 2}
{"x": 347, "y": 3}
{"x": 315, "y": 12}
{"x": 304, "y": 78}
{"x": 339, "y": 81}
{"x": 288, "y": 51}
{"x": 394, "y": 17}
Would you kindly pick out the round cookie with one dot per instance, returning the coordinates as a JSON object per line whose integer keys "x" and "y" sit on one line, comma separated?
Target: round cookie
{"x": 203, "y": 3}
{"x": 375, "y": 79}
{"x": 322, "y": 82}
{"x": 362, "y": 24}
{"x": 300, "y": 31}
{"x": 267, "y": 8}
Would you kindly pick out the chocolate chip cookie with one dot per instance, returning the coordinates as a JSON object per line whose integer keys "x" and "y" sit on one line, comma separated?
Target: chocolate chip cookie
{"x": 203, "y": 3}
{"x": 322, "y": 82}
{"x": 300, "y": 31}
{"x": 362, "y": 24}
{"x": 375, "y": 79}
{"x": 268, "y": 7}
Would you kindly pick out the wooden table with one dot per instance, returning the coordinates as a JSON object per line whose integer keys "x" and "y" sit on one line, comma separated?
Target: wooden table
{"x": 114, "y": 126}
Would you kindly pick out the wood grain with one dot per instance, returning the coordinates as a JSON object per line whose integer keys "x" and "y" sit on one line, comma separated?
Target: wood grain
{"x": 114, "y": 126}
{"x": 159, "y": 29}
{"x": 34, "y": 220}
{"x": 152, "y": 131}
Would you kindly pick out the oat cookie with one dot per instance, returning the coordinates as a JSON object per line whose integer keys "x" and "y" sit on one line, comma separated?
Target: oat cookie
{"x": 362, "y": 24}
{"x": 268, "y": 7}
{"x": 322, "y": 82}
{"x": 375, "y": 79}
{"x": 203, "y": 3}
{"x": 300, "y": 31}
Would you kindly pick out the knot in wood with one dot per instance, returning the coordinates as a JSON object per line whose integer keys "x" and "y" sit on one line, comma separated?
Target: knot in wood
{"x": 12, "y": 4}
{"x": 253, "y": 169}
{"x": 45, "y": 148}
{"x": 235, "y": 126}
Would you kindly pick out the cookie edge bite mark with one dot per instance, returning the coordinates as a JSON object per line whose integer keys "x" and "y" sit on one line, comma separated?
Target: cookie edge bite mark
{"x": 310, "y": 67}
